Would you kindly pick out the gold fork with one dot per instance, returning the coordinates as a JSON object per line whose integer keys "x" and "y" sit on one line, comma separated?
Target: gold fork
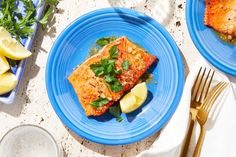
{"x": 203, "y": 112}
{"x": 199, "y": 92}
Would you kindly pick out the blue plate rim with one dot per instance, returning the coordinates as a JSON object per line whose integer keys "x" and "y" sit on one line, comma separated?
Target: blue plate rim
{"x": 166, "y": 117}
{"x": 200, "y": 47}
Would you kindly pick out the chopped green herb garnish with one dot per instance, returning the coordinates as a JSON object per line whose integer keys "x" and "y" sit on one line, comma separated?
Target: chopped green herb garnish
{"x": 99, "y": 102}
{"x": 125, "y": 65}
{"x": 119, "y": 119}
{"x": 115, "y": 111}
{"x": 116, "y": 86}
{"x": 98, "y": 69}
{"x": 114, "y": 83}
{"x": 113, "y": 52}
{"x": 106, "y": 67}
{"x": 104, "y": 41}
{"x": 118, "y": 72}
{"x": 110, "y": 79}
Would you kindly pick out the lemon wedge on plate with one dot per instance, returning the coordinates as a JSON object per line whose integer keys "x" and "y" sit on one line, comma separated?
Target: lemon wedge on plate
{"x": 4, "y": 66}
{"x": 10, "y": 47}
{"x": 8, "y": 81}
{"x": 134, "y": 99}
{"x": 4, "y": 33}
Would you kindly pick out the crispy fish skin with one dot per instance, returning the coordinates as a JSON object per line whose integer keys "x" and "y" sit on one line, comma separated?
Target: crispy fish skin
{"x": 221, "y": 16}
{"x": 89, "y": 88}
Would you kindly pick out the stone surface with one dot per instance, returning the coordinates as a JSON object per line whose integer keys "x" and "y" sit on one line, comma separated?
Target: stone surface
{"x": 32, "y": 105}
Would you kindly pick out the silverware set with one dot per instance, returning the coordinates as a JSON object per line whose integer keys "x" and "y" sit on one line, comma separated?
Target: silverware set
{"x": 202, "y": 101}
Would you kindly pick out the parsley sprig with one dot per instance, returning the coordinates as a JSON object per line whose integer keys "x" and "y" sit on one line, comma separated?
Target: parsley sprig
{"x": 115, "y": 111}
{"x": 20, "y": 24}
{"x": 106, "y": 67}
{"x": 125, "y": 65}
{"x": 99, "y": 102}
{"x": 104, "y": 41}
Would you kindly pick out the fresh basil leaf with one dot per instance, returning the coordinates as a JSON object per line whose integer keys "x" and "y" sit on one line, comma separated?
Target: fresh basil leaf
{"x": 125, "y": 65}
{"x": 113, "y": 52}
{"x": 116, "y": 86}
{"x": 99, "y": 102}
{"x": 115, "y": 111}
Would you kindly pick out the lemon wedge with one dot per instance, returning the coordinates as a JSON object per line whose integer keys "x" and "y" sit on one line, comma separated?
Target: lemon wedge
{"x": 4, "y": 66}
{"x": 4, "y": 33}
{"x": 8, "y": 81}
{"x": 140, "y": 91}
{"x": 12, "y": 49}
{"x": 134, "y": 99}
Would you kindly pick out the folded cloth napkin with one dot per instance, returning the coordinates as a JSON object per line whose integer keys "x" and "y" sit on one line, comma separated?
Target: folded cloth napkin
{"x": 220, "y": 138}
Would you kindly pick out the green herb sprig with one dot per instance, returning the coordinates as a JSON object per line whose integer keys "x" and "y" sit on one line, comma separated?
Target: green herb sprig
{"x": 104, "y": 41}
{"x": 18, "y": 24}
{"x": 115, "y": 111}
{"x": 125, "y": 65}
{"x": 99, "y": 102}
{"x": 106, "y": 68}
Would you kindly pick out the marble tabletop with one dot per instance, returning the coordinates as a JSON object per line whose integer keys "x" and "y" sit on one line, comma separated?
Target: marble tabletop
{"x": 32, "y": 105}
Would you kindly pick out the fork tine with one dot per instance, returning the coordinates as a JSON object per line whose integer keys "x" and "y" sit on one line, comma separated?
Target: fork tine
{"x": 202, "y": 95}
{"x": 215, "y": 88}
{"x": 199, "y": 85}
{"x": 210, "y": 83}
{"x": 208, "y": 108}
{"x": 216, "y": 91}
{"x": 194, "y": 93}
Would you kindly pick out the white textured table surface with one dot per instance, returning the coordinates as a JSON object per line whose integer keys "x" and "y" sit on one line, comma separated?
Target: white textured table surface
{"x": 32, "y": 105}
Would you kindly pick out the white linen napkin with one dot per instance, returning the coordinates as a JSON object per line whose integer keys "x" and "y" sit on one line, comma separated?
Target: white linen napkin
{"x": 220, "y": 138}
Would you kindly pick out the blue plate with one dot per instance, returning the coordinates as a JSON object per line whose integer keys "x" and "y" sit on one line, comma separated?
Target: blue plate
{"x": 71, "y": 48}
{"x": 219, "y": 53}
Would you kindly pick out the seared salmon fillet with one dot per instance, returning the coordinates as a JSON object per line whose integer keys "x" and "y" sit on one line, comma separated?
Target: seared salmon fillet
{"x": 221, "y": 16}
{"x": 90, "y": 87}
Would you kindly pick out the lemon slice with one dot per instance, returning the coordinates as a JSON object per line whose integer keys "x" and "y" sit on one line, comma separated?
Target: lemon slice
{"x": 4, "y": 33}
{"x": 12, "y": 49}
{"x": 134, "y": 99}
{"x": 8, "y": 81}
{"x": 4, "y": 66}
